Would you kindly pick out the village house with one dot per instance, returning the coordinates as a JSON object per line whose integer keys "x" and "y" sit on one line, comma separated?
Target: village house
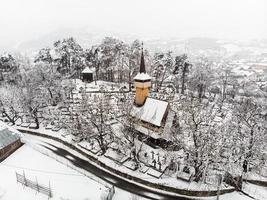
{"x": 9, "y": 142}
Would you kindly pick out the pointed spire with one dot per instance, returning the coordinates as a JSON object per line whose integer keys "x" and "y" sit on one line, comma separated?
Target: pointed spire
{"x": 142, "y": 63}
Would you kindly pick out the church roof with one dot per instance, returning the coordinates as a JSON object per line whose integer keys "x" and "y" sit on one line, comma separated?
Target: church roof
{"x": 142, "y": 75}
{"x": 142, "y": 63}
{"x": 152, "y": 111}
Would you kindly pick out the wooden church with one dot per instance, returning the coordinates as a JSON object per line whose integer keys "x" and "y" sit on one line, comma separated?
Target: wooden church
{"x": 152, "y": 114}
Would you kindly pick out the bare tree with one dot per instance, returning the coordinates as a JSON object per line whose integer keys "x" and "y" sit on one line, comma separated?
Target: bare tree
{"x": 34, "y": 93}
{"x": 250, "y": 124}
{"x": 50, "y": 80}
{"x": 197, "y": 120}
{"x": 132, "y": 60}
{"x": 163, "y": 67}
{"x": 181, "y": 70}
{"x": 10, "y": 102}
{"x": 200, "y": 77}
{"x": 32, "y": 101}
{"x": 91, "y": 123}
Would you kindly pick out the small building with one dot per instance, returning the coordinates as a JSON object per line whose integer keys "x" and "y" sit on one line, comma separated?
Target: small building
{"x": 87, "y": 75}
{"x": 9, "y": 142}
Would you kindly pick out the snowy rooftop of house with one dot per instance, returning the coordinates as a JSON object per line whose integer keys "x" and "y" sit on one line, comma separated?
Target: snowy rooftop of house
{"x": 87, "y": 70}
{"x": 152, "y": 111}
{"x": 7, "y": 137}
{"x": 142, "y": 77}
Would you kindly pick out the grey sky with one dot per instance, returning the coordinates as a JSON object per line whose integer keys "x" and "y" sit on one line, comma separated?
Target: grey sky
{"x": 22, "y": 20}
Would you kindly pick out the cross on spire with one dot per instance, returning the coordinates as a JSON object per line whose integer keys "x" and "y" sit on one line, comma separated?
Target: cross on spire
{"x": 142, "y": 63}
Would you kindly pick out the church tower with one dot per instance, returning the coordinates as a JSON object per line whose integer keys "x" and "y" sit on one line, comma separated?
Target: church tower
{"x": 142, "y": 83}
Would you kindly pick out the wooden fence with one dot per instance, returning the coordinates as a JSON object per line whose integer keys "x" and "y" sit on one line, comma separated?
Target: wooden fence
{"x": 111, "y": 193}
{"x": 21, "y": 178}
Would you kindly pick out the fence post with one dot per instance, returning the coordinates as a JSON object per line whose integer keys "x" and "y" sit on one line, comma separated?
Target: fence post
{"x": 111, "y": 193}
{"x": 34, "y": 185}
{"x": 37, "y": 186}
{"x": 16, "y": 176}
{"x": 50, "y": 191}
{"x": 25, "y": 180}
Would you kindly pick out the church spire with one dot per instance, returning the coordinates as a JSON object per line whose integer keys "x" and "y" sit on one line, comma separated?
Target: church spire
{"x": 142, "y": 82}
{"x": 142, "y": 63}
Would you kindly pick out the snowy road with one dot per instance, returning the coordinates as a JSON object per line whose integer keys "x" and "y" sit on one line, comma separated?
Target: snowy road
{"x": 110, "y": 178}
{"x": 124, "y": 188}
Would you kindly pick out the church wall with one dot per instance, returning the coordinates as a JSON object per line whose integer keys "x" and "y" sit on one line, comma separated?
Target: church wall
{"x": 142, "y": 84}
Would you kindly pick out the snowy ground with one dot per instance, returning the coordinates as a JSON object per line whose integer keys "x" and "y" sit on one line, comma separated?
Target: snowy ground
{"x": 256, "y": 191}
{"x": 46, "y": 169}
{"x": 65, "y": 182}
{"x": 170, "y": 181}
{"x": 95, "y": 86}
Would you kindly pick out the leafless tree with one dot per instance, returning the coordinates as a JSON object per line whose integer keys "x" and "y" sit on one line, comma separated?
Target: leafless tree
{"x": 251, "y": 128}
{"x": 91, "y": 123}
{"x": 197, "y": 120}
{"x": 10, "y": 102}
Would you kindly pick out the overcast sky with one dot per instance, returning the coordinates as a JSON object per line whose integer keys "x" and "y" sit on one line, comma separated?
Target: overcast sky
{"x": 22, "y": 20}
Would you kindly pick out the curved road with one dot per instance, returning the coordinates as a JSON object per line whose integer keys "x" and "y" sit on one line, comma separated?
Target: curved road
{"x": 111, "y": 178}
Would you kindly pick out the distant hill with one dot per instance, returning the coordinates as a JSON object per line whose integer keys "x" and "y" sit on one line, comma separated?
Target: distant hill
{"x": 82, "y": 36}
{"x": 91, "y": 36}
{"x": 85, "y": 37}
{"x": 204, "y": 43}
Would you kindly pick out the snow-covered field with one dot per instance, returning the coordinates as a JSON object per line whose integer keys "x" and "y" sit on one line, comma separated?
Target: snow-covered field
{"x": 65, "y": 182}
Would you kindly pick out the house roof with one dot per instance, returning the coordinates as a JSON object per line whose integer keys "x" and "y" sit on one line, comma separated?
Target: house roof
{"x": 87, "y": 70}
{"x": 152, "y": 111}
{"x": 7, "y": 137}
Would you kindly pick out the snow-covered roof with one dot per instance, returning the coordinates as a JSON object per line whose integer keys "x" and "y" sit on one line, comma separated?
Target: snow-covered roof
{"x": 142, "y": 77}
{"x": 7, "y": 137}
{"x": 54, "y": 54}
{"x": 152, "y": 111}
{"x": 87, "y": 70}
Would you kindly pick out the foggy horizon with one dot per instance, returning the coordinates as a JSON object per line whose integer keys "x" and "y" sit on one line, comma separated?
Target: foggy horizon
{"x": 30, "y": 19}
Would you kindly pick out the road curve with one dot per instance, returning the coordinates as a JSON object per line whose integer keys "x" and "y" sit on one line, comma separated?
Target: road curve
{"x": 111, "y": 178}
{"x": 108, "y": 176}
